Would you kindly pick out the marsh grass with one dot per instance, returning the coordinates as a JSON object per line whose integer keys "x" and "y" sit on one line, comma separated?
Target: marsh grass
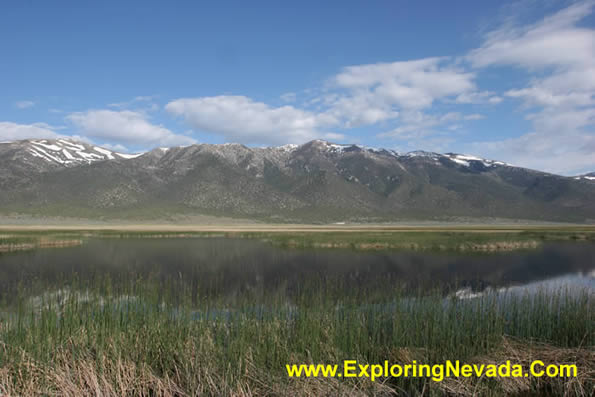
{"x": 26, "y": 242}
{"x": 425, "y": 240}
{"x": 158, "y": 336}
{"x": 430, "y": 239}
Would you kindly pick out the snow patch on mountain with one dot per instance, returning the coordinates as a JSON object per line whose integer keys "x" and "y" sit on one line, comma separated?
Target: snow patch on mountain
{"x": 70, "y": 144}
{"x": 465, "y": 160}
{"x": 65, "y": 152}
{"x": 105, "y": 152}
{"x": 424, "y": 154}
{"x": 330, "y": 147}
{"x": 290, "y": 147}
{"x": 128, "y": 156}
{"x": 55, "y": 148}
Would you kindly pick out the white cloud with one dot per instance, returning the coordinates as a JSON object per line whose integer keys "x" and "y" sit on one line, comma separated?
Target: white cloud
{"x": 240, "y": 119}
{"x": 479, "y": 97}
{"x": 405, "y": 85}
{"x": 127, "y": 127}
{"x": 560, "y": 55}
{"x": 555, "y": 48}
{"x": 555, "y": 41}
{"x": 540, "y": 95}
{"x": 402, "y": 91}
{"x": 12, "y": 131}
{"x": 24, "y": 104}
{"x": 360, "y": 108}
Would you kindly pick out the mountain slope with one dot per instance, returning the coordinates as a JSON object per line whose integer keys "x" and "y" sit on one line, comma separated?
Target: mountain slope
{"x": 317, "y": 181}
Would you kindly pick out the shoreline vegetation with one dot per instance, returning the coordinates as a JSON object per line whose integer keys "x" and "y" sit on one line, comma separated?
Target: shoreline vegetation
{"x": 128, "y": 336}
{"x": 461, "y": 239}
{"x": 14, "y": 244}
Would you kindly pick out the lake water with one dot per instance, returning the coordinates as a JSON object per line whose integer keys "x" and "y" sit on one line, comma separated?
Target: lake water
{"x": 228, "y": 266}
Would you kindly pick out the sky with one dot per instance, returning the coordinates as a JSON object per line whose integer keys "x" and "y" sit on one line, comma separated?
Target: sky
{"x": 510, "y": 81}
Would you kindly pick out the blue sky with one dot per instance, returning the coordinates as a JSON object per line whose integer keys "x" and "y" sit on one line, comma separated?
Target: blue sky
{"x": 509, "y": 81}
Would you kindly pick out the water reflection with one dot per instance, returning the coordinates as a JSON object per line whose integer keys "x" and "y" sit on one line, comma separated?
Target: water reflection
{"x": 227, "y": 266}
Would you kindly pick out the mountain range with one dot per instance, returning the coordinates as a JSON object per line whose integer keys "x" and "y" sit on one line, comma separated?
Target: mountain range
{"x": 314, "y": 182}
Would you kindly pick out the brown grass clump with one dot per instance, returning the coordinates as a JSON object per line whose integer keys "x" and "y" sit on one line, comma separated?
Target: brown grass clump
{"x": 85, "y": 376}
{"x": 521, "y": 352}
{"x": 90, "y": 375}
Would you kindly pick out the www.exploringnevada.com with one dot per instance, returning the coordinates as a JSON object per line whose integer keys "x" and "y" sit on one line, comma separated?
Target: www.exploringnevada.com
{"x": 436, "y": 372}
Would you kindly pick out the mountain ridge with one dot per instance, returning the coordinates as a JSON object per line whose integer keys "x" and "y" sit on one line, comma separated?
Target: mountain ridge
{"x": 317, "y": 181}
{"x": 99, "y": 153}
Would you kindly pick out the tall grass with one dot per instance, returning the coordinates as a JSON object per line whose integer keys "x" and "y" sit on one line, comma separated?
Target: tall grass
{"x": 159, "y": 335}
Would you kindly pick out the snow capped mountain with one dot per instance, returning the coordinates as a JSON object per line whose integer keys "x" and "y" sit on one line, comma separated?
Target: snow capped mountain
{"x": 65, "y": 152}
{"x": 315, "y": 181}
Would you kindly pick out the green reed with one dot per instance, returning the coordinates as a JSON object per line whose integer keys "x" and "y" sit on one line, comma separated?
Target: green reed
{"x": 165, "y": 325}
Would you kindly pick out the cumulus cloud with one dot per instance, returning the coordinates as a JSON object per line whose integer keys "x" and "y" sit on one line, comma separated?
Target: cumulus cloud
{"x": 378, "y": 92}
{"x": 241, "y": 119}
{"x": 24, "y": 104}
{"x": 358, "y": 109}
{"x": 410, "y": 84}
{"x": 12, "y": 131}
{"x": 402, "y": 93}
{"x": 561, "y": 100}
{"x": 125, "y": 127}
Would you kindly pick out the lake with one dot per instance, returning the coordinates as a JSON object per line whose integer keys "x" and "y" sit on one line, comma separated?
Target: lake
{"x": 228, "y": 266}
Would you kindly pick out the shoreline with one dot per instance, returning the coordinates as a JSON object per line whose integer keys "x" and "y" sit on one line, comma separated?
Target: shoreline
{"x": 165, "y": 227}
